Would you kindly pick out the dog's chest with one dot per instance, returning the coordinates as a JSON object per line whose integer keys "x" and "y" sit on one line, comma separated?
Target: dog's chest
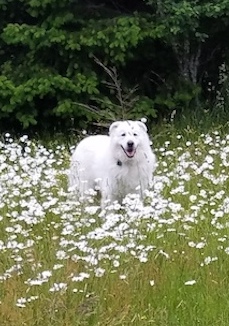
{"x": 127, "y": 177}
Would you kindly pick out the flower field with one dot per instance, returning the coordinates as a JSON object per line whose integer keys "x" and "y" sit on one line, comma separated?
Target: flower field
{"x": 64, "y": 262}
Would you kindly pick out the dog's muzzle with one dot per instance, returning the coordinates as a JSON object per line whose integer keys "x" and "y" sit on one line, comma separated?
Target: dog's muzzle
{"x": 130, "y": 149}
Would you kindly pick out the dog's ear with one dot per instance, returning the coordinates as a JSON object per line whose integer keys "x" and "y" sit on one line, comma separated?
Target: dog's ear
{"x": 142, "y": 125}
{"x": 113, "y": 126}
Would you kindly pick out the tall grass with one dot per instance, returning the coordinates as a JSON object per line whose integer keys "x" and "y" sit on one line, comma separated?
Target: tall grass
{"x": 164, "y": 263}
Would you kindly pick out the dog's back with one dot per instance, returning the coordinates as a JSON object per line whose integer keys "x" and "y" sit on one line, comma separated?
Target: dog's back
{"x": 85, "y": 162}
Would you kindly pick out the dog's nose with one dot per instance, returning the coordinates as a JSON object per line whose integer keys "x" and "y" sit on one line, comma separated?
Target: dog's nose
{"x": 130, "y": 143}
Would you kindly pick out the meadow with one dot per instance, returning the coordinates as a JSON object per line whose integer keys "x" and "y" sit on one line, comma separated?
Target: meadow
{"x": 164, "y": 263}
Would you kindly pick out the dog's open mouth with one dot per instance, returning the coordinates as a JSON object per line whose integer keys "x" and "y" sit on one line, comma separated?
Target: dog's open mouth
{"x": 130, "y": 152}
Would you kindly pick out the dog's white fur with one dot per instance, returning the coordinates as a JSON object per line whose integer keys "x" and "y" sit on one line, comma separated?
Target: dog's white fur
{"x": 119, "y": 164}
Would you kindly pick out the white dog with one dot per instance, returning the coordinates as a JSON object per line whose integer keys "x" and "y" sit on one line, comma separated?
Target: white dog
{"x": 119, "y": 164}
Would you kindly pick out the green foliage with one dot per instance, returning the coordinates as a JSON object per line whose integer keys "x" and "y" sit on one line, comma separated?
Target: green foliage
{"x": 48, "y": 72}
{"x": 180, "y": 97}
{"x": 40, "y": 86}
{"x": 54, "y": 63}
{"x": 144, "y": 107}
{"x": 123, "y": 102}
{"x": 189, "y": 27}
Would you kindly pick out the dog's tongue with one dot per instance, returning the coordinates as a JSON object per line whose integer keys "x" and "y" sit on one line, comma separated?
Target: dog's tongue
{"x": 130, "y": 153}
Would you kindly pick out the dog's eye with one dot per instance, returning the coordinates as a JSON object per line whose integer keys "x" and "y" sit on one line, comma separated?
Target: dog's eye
{"x": 135, "y": 134}
{"x": 123, "y": 135}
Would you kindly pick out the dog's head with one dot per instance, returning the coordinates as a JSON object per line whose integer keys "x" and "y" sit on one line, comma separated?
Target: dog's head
{"x": 129, "y": 136}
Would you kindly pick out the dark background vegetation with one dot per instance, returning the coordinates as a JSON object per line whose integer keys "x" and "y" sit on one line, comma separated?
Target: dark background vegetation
{"x": 74, "y": 64}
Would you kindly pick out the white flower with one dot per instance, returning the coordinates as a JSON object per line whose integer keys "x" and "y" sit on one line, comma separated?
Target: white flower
{"x": 152, "y": 282}
{"x": 46, "y": 274}
{"x": 208, "y": 260}
{"x": 58, "y": 266}
{"x": 99, "y": 272}
{"x": 191, "y": 282}
{"x": 32, "y": 298}
{"x": 200, "y": 245}
{"x": 209, "y": 159}
{"x": 227, "y": 250}
{"x": 116, "y": 263}
{"x": 191, "y": 244}
{"x": 58, "y": 287}
{"x": 193, "y": 198}
{"x": 21, "y": 302}
{"x": 80, "y": 277}
{"x": 144, "y": 120}
{"x": 61, "y": 254}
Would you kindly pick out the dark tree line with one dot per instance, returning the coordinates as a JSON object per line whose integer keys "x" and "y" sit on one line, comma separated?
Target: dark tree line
{"x": 73, "y": 63}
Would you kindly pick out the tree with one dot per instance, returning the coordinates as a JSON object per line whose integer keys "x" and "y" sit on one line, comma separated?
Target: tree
{"x": 49, "y": 75}
{"x": 188, "y": 26}
{"x": 50, "y": 67}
